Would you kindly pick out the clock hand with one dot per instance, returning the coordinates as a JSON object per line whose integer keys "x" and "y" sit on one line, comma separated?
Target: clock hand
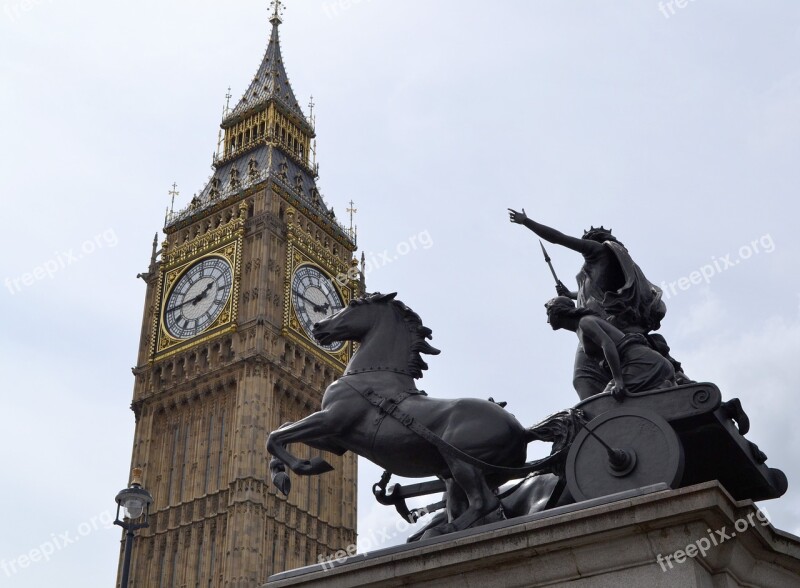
{"x": 192, "y": 301}
{"x": 317, "y": 307}
{"x": 202, "y": 294}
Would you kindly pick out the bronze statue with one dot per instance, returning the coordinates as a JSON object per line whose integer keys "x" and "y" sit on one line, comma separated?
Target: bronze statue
{"x": 646, "y": 430}
{"x": 634, "y": 365}
{"x": 376, "y": 411}
{"x": 639, "y": 422}
{"x": 615, "y": 288}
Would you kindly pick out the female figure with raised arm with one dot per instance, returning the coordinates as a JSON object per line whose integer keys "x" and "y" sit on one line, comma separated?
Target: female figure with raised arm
{"x": 615, "y": 288}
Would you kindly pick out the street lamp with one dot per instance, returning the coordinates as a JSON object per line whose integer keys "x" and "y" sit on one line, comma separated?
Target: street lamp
{"x": 136, "y": 502}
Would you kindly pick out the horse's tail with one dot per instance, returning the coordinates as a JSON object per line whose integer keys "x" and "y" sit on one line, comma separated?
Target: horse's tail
{"x": 559, "y": 429}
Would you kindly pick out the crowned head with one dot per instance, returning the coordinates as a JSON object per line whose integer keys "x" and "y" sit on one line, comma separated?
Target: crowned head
{"x": 600, "y": 234}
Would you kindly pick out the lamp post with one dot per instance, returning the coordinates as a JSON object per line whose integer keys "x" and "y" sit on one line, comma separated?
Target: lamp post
{"x": 136, "y": 502}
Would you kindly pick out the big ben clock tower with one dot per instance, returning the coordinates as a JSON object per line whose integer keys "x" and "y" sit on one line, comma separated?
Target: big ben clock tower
{"x": 226, "y": 356}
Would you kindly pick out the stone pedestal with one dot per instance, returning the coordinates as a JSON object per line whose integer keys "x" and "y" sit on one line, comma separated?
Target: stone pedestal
{"x": 691, "y": 537}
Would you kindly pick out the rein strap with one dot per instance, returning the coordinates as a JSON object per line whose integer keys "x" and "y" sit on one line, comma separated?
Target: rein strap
{"x": 390, "y": 407}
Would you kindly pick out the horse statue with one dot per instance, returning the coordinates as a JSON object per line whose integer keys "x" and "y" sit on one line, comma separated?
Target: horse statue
{"x": 376, "y": 411}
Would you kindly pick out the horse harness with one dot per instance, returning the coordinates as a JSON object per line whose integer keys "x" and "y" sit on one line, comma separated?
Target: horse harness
{"x": 391, "y": 407}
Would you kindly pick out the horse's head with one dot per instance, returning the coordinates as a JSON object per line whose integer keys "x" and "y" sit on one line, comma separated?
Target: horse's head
{"x": 353, "y": 322}
{"x": 390, "y": 333}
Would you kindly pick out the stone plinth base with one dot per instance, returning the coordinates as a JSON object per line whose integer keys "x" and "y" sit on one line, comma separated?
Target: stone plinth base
{"x": 637, "y": 539}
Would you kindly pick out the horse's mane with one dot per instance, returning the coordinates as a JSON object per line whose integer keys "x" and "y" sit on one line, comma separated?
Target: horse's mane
{"x": 419, "y": 332}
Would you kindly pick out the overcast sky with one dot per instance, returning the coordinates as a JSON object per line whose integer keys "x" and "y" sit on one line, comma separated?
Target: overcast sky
{"x": 678, "y": 128}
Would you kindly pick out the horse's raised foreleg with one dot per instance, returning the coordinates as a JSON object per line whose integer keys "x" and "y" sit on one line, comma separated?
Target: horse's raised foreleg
{"x": 310, "y": 428}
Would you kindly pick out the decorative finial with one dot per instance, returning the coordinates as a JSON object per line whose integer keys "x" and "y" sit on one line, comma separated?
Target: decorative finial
{"x": 174, "y": 192}
{"x": 314, "y": 151}
{"x": 352, "y": 210}
{"x": 362, "y": 276}
{"x": 171, "y": 210}
{"x": 277, "y": 9}
{"x": 228, "y": 97}
{"x": 154, "y": 253}
{"x": 311, "y": 106}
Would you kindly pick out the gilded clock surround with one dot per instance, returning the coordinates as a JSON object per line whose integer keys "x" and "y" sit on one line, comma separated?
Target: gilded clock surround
{"x": 224, "y": 241}
{"x": 198, "y": 297}
{"x": 304, "y": 249}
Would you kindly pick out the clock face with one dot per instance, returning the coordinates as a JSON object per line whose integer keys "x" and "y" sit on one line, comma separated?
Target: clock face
{"x": 315, "y": 298}
{"x": 198, "y": 297}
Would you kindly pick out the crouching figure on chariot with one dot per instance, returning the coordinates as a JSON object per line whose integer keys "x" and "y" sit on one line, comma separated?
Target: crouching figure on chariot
{"x": 633, "y": 364}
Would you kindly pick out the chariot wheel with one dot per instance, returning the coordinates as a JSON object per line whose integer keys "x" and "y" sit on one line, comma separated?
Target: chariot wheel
{"x": 641, "y": 449}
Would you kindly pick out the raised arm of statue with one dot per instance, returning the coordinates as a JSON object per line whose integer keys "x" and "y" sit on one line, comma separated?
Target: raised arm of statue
{"x": 583, "y": 246}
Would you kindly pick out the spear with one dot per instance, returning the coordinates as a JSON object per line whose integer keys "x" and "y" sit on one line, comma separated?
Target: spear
{"x": 549, "y": 264}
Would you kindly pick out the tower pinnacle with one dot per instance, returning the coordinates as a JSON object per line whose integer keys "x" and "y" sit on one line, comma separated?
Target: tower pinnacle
{"x": 277, "y": 8}
{"x": 265, "y": 136}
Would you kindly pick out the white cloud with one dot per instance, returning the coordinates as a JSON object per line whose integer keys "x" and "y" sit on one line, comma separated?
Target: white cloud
{"x": 759, "y": 366}
{"x": 705, "y": 316}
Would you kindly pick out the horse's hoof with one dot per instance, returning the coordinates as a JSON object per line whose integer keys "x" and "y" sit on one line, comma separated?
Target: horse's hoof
{"x": 493, "y": 516}
{"x": 430, "y": 533}
{"x": 318, "y": 465}
{"x": 282, "y": 482}
{"x": 312, "y": 467}
{"x": 439, "y": 530}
